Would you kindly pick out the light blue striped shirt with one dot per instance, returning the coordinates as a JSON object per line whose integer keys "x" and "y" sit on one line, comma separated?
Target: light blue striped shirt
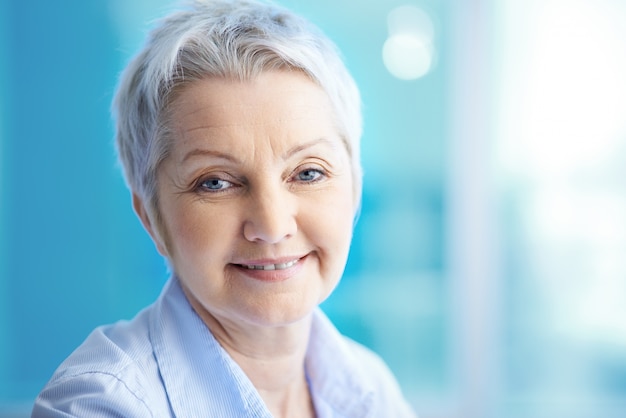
{"x": 166, "y": 363}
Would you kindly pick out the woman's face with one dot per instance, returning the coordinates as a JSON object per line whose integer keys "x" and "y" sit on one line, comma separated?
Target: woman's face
{"x": 256, "y": 198}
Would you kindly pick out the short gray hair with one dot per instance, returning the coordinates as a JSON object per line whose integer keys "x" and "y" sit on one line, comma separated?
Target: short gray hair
{"x": 221, "y": 38}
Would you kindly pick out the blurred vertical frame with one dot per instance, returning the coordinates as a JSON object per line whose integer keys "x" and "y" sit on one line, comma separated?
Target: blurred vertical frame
{"x": 472, "y": 251}
{"x": 4, "y": 120}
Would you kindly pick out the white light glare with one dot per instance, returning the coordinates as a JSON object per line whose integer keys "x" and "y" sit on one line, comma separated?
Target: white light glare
{"x": 408, "y": 52}
{"x": 410, "y": 20}
{"x": 406, "y": 57}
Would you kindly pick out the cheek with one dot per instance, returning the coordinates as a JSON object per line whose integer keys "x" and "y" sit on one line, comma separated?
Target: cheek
{"x": 199, "y": 232}
{"x": 331, "y": 226}
{"x": 331, "y": 231}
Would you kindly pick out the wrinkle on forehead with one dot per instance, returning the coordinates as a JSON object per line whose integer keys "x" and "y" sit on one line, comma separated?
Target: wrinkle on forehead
{"x": 222, "y": 111}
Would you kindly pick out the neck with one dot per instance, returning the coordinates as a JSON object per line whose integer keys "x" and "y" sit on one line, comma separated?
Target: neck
{"x": 272, "y": 357}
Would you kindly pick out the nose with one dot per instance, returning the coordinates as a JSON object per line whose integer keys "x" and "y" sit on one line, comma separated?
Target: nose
{"x": 271, "y": 216}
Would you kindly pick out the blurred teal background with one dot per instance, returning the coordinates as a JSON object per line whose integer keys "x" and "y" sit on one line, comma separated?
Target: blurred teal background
{"x": 489, "y": 263}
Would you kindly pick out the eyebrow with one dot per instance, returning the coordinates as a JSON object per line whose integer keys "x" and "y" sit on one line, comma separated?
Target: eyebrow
{"x": 208, "y": 153}
{"x": 301, "y": 147}
{"x": 197, "y": 152}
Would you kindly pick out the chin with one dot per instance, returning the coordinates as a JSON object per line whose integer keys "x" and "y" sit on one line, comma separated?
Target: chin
{"x": 277, "y": 313}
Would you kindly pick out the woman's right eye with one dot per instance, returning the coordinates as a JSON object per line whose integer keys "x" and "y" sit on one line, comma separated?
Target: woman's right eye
{"x": 215, "y": 185}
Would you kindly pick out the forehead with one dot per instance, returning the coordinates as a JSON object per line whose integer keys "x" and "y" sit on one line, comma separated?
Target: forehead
{"x": 282, "y": 93}
{"x": 273, "y": 105}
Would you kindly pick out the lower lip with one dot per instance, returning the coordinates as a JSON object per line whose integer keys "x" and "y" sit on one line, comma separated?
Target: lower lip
{"x": 272, "y": 276}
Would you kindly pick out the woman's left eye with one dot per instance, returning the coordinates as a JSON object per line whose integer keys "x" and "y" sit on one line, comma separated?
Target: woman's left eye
{"x": 309, "y": 175}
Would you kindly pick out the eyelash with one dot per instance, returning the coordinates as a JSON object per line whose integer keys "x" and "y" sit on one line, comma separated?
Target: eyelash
{"x": 320, "y": 174}
{"x": 200, "y": 186}
{"x": 228, "y": 183}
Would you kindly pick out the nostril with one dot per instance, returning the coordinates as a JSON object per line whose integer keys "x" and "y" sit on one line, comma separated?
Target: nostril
{"x": 270, "y": 233}
{"x": 270, "y": 219}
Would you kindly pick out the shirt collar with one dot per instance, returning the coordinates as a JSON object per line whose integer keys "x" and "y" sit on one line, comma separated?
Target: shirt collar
{"x": 336, "y": 378}
{"x": 199, "y": 375}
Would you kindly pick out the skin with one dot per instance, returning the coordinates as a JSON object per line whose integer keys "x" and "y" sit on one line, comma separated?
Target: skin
{"x": 258, "y": 176}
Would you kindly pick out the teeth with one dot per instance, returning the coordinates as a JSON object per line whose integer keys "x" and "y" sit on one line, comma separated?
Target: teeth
{"x": 280, "y": 266}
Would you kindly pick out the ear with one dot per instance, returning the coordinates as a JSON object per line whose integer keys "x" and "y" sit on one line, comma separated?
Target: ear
{"x": 145, "y": 216}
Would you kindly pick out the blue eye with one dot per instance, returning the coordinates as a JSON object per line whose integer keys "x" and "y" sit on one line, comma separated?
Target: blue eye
{"x": 310, "y": 175}
{"x": 215, "y": 184}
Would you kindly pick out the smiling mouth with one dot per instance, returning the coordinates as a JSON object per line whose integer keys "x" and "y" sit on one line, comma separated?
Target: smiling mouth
{"x": 269, "y": 267}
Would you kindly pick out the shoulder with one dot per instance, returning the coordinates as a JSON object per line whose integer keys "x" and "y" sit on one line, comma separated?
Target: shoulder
{"x": 389, "y": 399}
{"x": 349, "y": 377}
{"x": 112, "y": 373}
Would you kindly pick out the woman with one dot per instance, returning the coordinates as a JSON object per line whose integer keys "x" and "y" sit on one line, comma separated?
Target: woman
{"x": 238, "y": 129}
